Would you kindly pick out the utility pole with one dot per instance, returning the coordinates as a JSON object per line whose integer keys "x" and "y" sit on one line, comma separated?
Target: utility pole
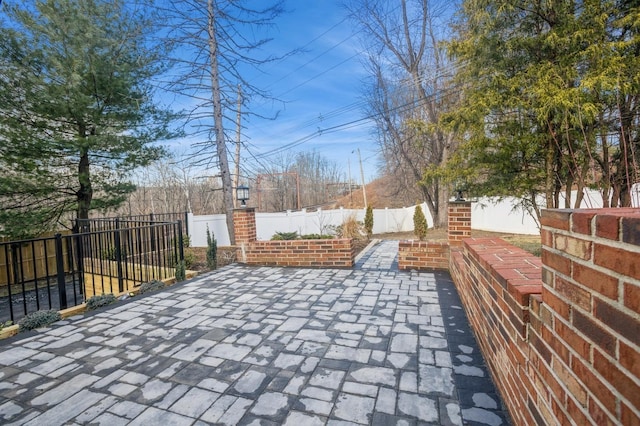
{"x": 236, "y": 179}
{"x": 364, "y": 190}
{"x": 350, "y": 193}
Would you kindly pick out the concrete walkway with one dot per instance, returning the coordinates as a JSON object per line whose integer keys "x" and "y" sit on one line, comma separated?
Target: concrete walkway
{"x": 260, "y": 346}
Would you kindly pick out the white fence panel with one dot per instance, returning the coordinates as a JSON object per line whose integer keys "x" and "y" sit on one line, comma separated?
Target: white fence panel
{"x": 217, "y": 224}
{"x": 501, "y": 217}
{"x": 486, "y": 215}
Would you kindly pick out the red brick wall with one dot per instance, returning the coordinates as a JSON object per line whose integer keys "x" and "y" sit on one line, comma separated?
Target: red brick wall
{"x": 591, "y": 308}
{"x": 423, "y": 255}
{"x": 571, "y": 354}
{"x": 495, "y": 281}
{"x": 458, "y": 222}
{"x": 244, "y": 225}
{"x": 331, "y": 253}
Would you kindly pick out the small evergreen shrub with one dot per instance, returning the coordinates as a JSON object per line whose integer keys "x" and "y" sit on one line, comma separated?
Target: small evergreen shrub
{"x": 316, "y": 237}
{"x": 151, "y": 286}
{"x": 368, "y": 221}
{"x": 284, "y": 236}
{"x": 100, "y": 300}
{"x": 189, "y": 258}
{"x": 419, "y": 223}
{"x": 181, "y": 271}
{"x": 39, "y": 319}
{"x": 212, "y": 251}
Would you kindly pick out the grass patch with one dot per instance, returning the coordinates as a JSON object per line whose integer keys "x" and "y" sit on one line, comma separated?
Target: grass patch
{"x": 530, "y": 243}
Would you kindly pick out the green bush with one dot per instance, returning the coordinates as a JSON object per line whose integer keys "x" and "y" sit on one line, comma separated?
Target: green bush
{"x": 100, "y": 300}
{"x": 151, "y": 286}
{"x": 316, "y": 237}
{"x": 181, "y": 271}
{"x": 368, "y": 222}
{"x": 39, "y": 319}
{"x": 189, "y": 258}
{"x": 5, "y": 324}
{"x": 419, "y": 223}
{"x": 212, "y": 251}
{"x": 284, "y": 236}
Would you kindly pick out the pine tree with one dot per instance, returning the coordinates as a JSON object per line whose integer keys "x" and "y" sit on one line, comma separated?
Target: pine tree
{"x": 77, "y": 109}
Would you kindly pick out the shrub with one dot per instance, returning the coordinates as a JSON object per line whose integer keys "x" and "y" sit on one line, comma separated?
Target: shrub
{"x": 39, "y": 319}
{"x": 189, "y": 258}
{"x": 100, "y": 300}
{"x": 350, "y": 228}
{"x": 5, "y": 324}
{"x": 181, "y": 271}
{"x": 284, "y": 236}
{"x": 368, "y": 221}
{"x": 419, "y": 223}
{"x": 151, "y": 286}
{"x": 316, "y": 237}
{"x": 212, "y": 251}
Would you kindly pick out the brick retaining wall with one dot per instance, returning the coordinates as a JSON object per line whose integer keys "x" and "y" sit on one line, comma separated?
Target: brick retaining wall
{"x": 562, "y": 336}
{"x": 423, "y": 255}
{"x": 331, "y": 253}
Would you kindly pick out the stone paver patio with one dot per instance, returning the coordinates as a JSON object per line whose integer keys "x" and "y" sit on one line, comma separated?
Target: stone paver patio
{"x": 263, "y": 346}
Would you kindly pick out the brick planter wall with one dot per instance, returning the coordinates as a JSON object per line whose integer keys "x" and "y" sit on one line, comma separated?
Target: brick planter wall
{"x": 495, "y": 281}
{"x": 331, "y": 253}
{"x": 561, "y": 338}
{"x": 590, "y": 314}
{"x": 421, "y": 255}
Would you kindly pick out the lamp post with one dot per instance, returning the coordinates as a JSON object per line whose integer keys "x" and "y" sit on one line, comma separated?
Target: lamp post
{"x": 242, "y": 195}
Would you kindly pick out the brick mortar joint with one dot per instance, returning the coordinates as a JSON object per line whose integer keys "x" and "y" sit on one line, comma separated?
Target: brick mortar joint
{"x": 594, "y": 239}
{"x": 588, "y": 263}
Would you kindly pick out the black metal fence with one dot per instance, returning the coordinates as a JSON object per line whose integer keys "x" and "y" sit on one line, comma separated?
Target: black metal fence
{"x": 106, "y": 256}
{"x": 108, "y": 222}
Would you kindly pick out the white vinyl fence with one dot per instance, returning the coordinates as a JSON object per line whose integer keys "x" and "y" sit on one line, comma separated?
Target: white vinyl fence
{"x": 486, "y": 214}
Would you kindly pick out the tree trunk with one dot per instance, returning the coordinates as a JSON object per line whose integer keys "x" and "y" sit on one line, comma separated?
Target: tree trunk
{"x": 221, "y": 147}
{"x": 84, "y": 195}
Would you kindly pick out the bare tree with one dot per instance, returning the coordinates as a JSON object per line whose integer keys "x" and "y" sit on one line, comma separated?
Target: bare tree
{"x": 410, "y": 90}
{"x": 304, "y": 179}
{"x": 216, "y": 43}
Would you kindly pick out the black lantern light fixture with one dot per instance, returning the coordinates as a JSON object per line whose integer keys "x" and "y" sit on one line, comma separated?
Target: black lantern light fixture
{"x": 460, "y": 187}
{"x": 242, "y": 195}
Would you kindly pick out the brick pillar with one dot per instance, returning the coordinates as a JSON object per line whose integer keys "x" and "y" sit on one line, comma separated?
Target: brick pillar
{"x": 459, "y": 224}
{"x": 244, "y": 224}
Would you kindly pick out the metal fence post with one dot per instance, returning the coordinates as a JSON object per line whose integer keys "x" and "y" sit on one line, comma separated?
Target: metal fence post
{"x": 116, "y": 239}
{"x": 180, "y": 242}
{"x": 62, "y": 285}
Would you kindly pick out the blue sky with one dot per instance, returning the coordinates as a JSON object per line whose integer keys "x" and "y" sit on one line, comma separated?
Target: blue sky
{"x": 322, "y": 89}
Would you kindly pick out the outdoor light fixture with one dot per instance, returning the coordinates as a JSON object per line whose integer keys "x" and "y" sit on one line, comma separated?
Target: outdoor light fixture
{"x": 459, "y": 188}
{"x": 242, "y": 195}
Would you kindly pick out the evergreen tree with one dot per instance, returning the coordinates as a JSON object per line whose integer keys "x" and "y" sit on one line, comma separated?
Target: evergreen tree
{"x": 212, "y": 251}
{"x": 368, "y": 221}
{"x": 77, "y": 108}
{"x": 550, "y": 90}
{"x": 420, "y": 226}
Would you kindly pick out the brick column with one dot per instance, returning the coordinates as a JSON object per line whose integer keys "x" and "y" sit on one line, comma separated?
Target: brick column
{"x": 244, "y": 224}
{"x": 459, "y": 222}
